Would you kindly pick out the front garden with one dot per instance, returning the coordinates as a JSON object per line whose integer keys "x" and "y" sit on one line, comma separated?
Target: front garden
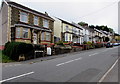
{"x": 18, "y": 51}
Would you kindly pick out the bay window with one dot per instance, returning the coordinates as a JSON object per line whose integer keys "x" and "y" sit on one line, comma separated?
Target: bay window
{"x": 48, "y": 36}
{"x": 18, "y": 33}
{"x": 25, "y": 33}
{"x": 43, "y": 36}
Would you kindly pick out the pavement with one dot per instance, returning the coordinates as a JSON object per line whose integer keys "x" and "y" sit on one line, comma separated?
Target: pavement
{"x": 83, "y": 66}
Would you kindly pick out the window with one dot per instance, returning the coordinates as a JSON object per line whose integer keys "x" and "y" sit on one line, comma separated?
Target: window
{"x": 25, "y": 33}
{"x": 70, "y": 38}
{"x": 23, "y": 17}
{"x": 48, "y": 36}
{"x": 18, "y": 33}
{"x": 79, "y": 32}
{"x": 74, "y": 30}
{"x": 67, "y": 28}
{"x": 35, "y": 20}
{"x": 45, "y": 23}
{"x": 66, "y": 37}
{"x": 43, "y": 36}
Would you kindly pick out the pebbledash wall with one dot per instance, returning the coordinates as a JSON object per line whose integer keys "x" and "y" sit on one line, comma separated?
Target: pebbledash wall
{"x": 22, "y": 24}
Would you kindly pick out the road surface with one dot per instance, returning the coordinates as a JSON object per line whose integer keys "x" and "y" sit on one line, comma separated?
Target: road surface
{"x": 85, "y": 66}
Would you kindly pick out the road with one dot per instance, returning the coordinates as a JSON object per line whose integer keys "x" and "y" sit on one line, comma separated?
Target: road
{"x": 85, "y": 66}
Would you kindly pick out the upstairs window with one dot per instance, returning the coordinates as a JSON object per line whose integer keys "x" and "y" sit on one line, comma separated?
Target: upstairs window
{"x": 35, "y": 20}
{"x": 79, "y": 32}
{"x": 23, "y": 17}
{"x": 67, "y": 29}
{"x": 45, "y": 23}
{"x": 74, "y": 30}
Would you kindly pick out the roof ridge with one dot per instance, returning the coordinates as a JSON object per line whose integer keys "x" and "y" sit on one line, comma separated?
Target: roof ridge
{"x": 27, "y": 8}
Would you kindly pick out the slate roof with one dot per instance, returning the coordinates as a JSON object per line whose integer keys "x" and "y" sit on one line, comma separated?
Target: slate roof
{"x": 14, "y": 4}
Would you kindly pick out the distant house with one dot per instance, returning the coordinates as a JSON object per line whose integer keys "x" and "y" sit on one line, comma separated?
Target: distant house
{"x": 67, "y": 32}
{"x": 22, "y": 24}
{"x": 86, "y": 33}
{"x": 98, "y": 35}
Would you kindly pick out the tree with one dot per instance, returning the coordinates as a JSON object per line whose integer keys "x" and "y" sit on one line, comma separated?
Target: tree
{"x": 91, "y": 26}
{"x": 106, "y": 28}
{"x": 82, "y": 23}
{"x": 111, "y": 30}
{"x": 98, "y": 27}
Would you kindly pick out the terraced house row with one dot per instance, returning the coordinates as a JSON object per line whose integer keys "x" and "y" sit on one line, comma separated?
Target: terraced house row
{"x": 22, "y": 24}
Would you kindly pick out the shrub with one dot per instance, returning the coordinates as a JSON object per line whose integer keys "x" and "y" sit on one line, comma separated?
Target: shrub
{"x": 14, "y": 49}
{"x": 6, "y": 45}
{"x": 76, "y": 44}
{"x": 99, "y": 45}
{"x": 84, "y": 42}
{"x": 91, "y": 44}
{"x": 60, "y": 43}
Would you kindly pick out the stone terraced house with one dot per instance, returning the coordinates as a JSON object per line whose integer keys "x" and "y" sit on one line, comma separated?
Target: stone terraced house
{"x": 22, "y": 24}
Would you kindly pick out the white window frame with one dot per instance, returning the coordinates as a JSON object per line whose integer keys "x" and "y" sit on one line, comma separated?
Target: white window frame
{"x": 67, "y": 28}
{"x": 66, "y": 37}
{"x": 45, "y": 23}
{"x": 36, "y": 20}
{"x": 24, "y": 17}
{"x": 48, "y": 36}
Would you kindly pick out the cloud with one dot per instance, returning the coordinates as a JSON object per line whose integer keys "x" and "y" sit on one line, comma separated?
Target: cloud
{"x": 96, "y": 12}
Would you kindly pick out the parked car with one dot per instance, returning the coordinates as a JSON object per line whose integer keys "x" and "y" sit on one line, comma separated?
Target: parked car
{"x": 109, "y": 45}
{"x": 116, "y": 44}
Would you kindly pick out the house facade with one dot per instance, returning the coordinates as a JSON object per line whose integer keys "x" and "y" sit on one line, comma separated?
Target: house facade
{"x": 22, "y": 24}
{"x": 98, "y": 35}
{"x": 86, "y": 33}
{"x": 67, "y": 32}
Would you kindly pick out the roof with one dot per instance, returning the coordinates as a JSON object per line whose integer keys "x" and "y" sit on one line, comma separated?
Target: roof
{"x": 69, "y": 23}
{"x": 105, "y": 32}
{"x": 97, "y": 30}
{"x": 19, "y": 6}
{"x": 77, "y": 25}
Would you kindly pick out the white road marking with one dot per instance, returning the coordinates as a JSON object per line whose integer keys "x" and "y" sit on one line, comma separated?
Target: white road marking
{"x": 68, "y": 61}
{"x": 16, "y": 77}
{"x": 103, "y": 77}
{"x": 93, "y": 54}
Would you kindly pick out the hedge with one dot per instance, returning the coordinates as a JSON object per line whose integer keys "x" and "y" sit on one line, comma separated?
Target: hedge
{"x": 14, "y": 49}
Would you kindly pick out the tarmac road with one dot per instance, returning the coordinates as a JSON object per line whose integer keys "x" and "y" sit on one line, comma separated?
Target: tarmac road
{"x": 86, "y": 66}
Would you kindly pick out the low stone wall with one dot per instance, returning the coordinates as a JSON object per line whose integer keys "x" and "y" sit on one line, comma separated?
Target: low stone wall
{"x": 76, "y": 49}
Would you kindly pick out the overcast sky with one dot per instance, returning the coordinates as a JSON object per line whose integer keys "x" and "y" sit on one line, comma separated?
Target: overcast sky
{"x": 96, "y": 12}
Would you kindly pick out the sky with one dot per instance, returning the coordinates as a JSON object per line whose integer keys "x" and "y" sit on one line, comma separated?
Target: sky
{"x": 93, "y": 12}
